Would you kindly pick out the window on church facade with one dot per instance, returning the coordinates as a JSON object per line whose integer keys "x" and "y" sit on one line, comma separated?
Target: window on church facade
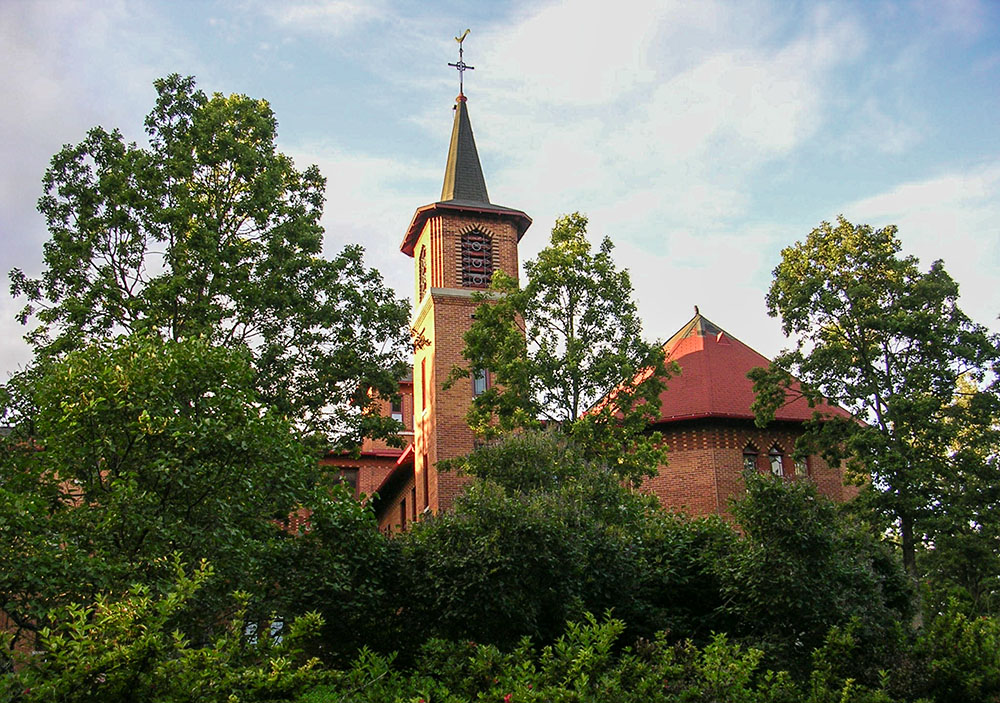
{"x": 423, "y": 384}
{"x": 749, "y": 458}
{"x": 348, "y": 475}
{"x": 802, "y": 467}
{"x": 480, "y": 382}
{"x": 397, "y": 410}
{"x": 427, "y": 488}
{"x": 774, "y": 456}
{"x": 477, "y": 259}
{"x": 422, "y": 273}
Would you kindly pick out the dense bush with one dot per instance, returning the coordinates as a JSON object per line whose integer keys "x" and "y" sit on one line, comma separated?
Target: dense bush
{"x": 586, "y": 663}
{"x": 126, "y": 452}
{"x": 128, "y": 648}
{"x": 801, "y": 569}
{"x": 545, "y": 535}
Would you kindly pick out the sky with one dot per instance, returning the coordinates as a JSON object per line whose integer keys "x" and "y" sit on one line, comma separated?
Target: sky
{"x": 701, "y": 137}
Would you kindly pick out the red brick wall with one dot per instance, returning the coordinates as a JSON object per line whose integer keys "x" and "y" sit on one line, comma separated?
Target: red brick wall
{"x": 389, "y": 510}
{"x": 705, "y": 464}
{"x": 442, "y": 318}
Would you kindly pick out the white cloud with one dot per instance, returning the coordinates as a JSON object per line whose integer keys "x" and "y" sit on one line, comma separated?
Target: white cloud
{"x": 588, "y": 114}
{"x": 954, "y": 217}
{"x": 335, "y": 17}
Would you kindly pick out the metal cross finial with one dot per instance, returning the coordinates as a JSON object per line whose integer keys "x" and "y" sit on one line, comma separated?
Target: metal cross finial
{"x": 461, "y": 65}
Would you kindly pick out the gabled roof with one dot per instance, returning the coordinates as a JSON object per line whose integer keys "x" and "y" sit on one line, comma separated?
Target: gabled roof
{"x": 464, "y": 188}
{"x": 713, "y": 380}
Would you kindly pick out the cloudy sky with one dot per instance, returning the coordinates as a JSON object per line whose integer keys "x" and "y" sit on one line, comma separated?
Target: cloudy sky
{"x": 702, "y": 137}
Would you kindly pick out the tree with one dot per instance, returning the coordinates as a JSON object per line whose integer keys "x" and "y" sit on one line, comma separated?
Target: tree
{"x": 209, "y": 231}
{"x": 802, "y": 569}
{"x": 964, "y": 561}
{"x": 889, "y": 343}
{"x": 136, "y": 450}
{"x": 567, "y": 349}
{"x": 545, "y": 534}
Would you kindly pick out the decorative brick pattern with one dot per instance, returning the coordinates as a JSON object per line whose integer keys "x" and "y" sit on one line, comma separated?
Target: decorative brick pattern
{"x": 705, "y": 464}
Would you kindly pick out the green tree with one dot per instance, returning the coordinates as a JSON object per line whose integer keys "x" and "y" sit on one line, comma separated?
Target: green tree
{"x": 567, "y": 349}
{"x": 136, "y": 450}
{"x": 802, "y": 569}
{"x": 888, "y": 342}
{"x": 543, "y": 535}
{"x": 210, "y": 231}
{"x": 963, "y": 561}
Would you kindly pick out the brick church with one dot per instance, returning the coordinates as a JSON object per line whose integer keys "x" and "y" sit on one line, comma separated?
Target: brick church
{"x": 456, "y": 244}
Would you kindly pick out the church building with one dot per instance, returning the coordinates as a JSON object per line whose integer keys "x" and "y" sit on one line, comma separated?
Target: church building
{"x": 456, "y": 244}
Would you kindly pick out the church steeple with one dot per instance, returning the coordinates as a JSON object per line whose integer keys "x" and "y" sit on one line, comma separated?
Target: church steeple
{"x": 463, "y": 174}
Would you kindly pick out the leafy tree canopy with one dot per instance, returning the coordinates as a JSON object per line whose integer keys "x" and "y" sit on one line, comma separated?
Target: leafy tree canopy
{"x": 887, "y": 341}
{"x": 210, "y": 231}
{"x": 142, "y": 448}
{"x": 567, "y": 349}
{"x": 801, "y": 569}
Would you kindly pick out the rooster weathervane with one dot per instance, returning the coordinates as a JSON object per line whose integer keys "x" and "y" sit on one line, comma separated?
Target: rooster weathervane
{"x": 461, "y": 66}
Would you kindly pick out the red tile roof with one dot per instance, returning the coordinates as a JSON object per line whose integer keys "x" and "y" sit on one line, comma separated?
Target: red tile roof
{"x": 713, "y": 380}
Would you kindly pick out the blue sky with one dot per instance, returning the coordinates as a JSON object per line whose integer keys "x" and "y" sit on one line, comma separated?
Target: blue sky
{"x": 702, "y": 137}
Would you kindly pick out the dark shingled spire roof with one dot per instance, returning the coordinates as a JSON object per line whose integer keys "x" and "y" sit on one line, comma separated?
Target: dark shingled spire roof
{"x": 464, "y": 188}
{"x": 463, "y": 176}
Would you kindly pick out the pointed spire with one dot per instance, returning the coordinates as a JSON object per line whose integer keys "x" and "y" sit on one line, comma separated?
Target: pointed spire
{"x": 463, "y": 175}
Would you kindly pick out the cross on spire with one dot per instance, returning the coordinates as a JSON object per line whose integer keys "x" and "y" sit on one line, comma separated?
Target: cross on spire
{"x": 461, "y": 66}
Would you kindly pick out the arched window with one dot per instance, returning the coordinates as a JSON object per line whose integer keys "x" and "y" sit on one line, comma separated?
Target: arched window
{"x": 422, "y": 273}
{"x": 774, "y": 456}
{"x": 750, "y": 458}
{"x": 477, "y": 259}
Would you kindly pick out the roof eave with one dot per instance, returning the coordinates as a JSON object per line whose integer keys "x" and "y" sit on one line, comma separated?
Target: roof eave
{"x": 521, "y": 220}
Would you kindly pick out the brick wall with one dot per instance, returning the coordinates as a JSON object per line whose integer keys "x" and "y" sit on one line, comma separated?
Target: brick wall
{"x": 705, "y": 464}
{"x": 442, "y": 318}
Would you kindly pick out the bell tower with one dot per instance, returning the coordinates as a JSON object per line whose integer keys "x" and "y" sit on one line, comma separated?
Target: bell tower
{"x": 456, "y": 244}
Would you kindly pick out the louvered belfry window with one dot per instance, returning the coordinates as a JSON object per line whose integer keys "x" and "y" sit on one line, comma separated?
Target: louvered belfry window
{"x": 477, "y": 259}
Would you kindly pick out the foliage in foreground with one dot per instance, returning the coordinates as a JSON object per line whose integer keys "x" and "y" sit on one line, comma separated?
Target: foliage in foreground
{"x": 129, "y": 648}
{"x": 135, "y": 450}
{"x": 589, "y": 663}
{"x": 126, "y": 648}
{"x": 138, "y": 449}
{"x": 545, "y": 534}
{"x": 802, "y": 569}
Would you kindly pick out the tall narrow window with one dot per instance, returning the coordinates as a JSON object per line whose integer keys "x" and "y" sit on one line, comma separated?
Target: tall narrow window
{"x": 749, "y": 458}
{"x": 402, "y": 514}
{"x": 423, "y": 383}
{"x": 774, "y": 456}
{"x": 477, "y": 259}
{"x": 480, "y": 382}
{"x": 397, "y": 410}
{"x": 802, "y": 467}
{"x": 422, "y": 274}
{"x": 427, "y": 487}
